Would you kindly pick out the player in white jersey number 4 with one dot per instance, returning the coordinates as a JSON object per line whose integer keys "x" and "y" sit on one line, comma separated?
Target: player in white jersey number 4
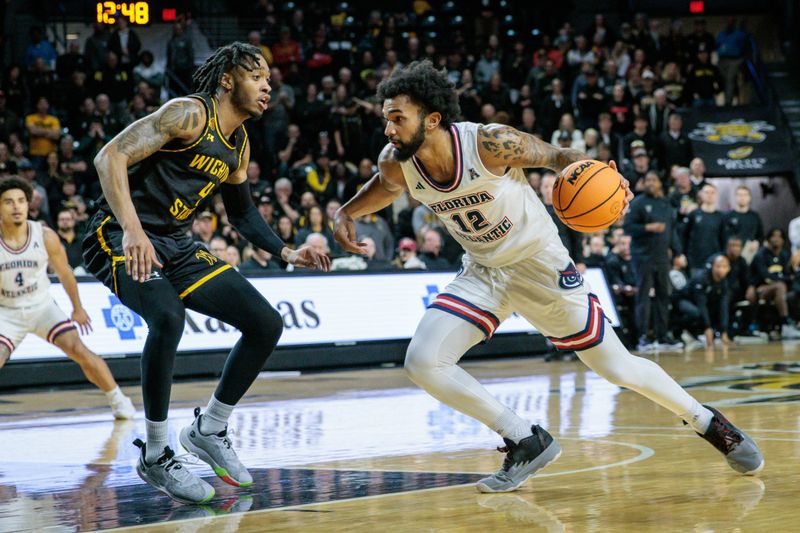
{"x": 471, "y": 176}
{"x": 26, "y": 248}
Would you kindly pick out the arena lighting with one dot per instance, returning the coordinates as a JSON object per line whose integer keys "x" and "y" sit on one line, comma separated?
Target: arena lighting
{"x": 697, "y": 6}
{"x": 168, "y": 14}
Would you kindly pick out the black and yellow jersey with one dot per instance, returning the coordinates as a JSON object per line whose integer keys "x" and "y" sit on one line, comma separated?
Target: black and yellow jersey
{"x": 169, "y": 186}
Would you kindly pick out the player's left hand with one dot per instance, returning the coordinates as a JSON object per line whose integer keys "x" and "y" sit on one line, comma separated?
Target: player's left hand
{"x": 308, "y": 257}
{"x": 626, "y": 185}
{"x": 80, "y": 317}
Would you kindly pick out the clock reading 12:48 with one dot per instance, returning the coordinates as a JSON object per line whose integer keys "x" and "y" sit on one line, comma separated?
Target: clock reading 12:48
{"x": 135, "y": 12}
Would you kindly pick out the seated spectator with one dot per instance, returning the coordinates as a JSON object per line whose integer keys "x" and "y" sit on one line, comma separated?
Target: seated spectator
{"x": 373, "y": 263}
{"x": 597, "y": 252}
{"x": 431, "y": 250}
{"x": 147, "y": 71}
{"x": 286, "y": 231}
{"x": 697, "y": 172}
{"x": 317, "y": 222}
{"x": 112, "y": 79}
{"x": 619, "y": 111}
{"x": 407, "y": 256}
{"x": 673, "y": 84}
{"x": 566, "y": 129}
{"x": 378, "y": 230}
{"x": 267, "y": 210}
{"x": 683, "y": 197}
{"x": 233, "y": 257}
{"x": 742, "y": 292}
{"x": 638, "y": 167}
{"x": 39, "y": 49}
{"x": 218, "y": 247}
{"x": 590, "y": 100}
{"x": 555, "y": 105}
{"x": 203, "y": 228}
{"x": 641, "y": 132}
{"x": 69, "y": 238}
{"x": 658, "y": 112}
{"x": 771, "y": 273}
{"x": 72, "y": 61}
{"x": 260, "y": 261}
{"x": 283, "y": 196}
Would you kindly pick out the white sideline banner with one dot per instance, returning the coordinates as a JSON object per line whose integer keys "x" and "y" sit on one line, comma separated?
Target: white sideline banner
{"x": 315, "y": 309}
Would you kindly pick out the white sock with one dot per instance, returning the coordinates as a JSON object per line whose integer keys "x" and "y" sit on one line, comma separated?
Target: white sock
{"x": 698, "y": 417}
{"x": 157, "y": 440}
{"x": 512, "y": 427}
{"x": 114, "y": 394}
{"x": 215, "y": 419}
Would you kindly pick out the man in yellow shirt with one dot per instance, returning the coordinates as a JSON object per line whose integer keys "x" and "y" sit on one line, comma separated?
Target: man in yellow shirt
{"x": 44, "y": 130}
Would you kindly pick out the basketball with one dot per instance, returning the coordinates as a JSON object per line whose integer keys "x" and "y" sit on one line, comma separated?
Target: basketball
{"x": 588, "y": 196}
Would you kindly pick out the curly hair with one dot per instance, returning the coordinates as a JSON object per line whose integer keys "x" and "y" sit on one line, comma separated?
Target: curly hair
{"x": 15, "y": 182}
{"x": 207, "y": 77}
{"x": 426, "y": 87}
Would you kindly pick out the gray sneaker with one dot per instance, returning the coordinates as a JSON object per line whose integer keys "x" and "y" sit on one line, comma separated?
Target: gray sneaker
{"x": 522, "y": 460}
{"x": 740, "y": 450}
{"x": 169, "y": 475}
{"x": 217, "y": 451}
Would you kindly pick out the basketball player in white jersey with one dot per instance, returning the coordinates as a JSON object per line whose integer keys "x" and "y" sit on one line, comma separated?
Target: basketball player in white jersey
{"x": 26, "y": 306}
{"x": 471, "y": 176}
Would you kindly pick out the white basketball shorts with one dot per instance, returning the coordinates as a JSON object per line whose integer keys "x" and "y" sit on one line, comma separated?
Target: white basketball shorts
{"x": 546, "y": 290}
{"x": 47, "y": 321}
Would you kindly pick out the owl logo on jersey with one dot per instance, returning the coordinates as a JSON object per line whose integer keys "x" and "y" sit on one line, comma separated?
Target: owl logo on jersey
{"x": 569, "y": 278}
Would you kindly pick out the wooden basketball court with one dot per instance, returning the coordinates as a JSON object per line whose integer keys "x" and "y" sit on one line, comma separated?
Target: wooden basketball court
{"x": 368, "y": 451}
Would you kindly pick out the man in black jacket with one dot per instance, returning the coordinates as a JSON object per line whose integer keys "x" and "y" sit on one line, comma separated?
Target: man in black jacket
{"x": 745, "y": 223}
{"x": 622, "y": 280}
{"x": 771, "y": 274}
{"x": 651, "y": 225}
{"x": 705, "y": 228}
{"x": 674, "y": 146}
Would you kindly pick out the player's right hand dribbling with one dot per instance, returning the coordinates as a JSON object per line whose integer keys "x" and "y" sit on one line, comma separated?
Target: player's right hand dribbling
{"x": 344, "y": 231}
{"x": 140, "y": 256}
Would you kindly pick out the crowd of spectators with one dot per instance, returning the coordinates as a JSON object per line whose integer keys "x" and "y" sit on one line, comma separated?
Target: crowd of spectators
{"x": 610, "y": 91}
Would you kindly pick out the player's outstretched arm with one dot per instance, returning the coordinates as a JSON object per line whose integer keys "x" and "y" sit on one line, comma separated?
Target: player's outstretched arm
{"x": 244, "y": 216}
{"x": 181, "y": 118}
{"x": 57, "y": 258}
{"x": 379, "y": 192}
{"x": 502, "y": 146}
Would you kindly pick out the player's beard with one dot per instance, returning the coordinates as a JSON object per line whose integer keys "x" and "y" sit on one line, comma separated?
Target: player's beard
{"x": 404, "y": 151}
{"x": 240, "y": 101}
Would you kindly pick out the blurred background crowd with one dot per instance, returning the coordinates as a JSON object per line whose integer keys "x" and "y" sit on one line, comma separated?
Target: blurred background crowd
{"x": 611, "y": 91}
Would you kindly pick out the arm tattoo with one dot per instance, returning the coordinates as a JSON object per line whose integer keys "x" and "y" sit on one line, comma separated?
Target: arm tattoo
{"x": 509, "y": 147}
{"x": 144, "y": 137}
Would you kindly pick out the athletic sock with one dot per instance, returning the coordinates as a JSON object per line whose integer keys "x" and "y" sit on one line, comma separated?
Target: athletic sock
{"x": 510, "y": 426}
{"x": 698, "y": 417}
{"x": 215, "y": 419}
{"x": 157, "y": 440}
{"x": 114, "y": 395}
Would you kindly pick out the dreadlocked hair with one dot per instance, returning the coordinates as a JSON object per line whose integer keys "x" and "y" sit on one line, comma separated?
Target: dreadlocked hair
{"x": 207, "y": 77}
{"x": 426, "y": 87}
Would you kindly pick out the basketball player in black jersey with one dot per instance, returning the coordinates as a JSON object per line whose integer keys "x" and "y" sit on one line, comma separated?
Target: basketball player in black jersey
{"x": 155, "y": 174}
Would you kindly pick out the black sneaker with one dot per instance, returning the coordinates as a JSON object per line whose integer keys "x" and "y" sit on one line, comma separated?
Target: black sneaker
{"x": 739, "y": 449}
{"x": 522, "y": 461}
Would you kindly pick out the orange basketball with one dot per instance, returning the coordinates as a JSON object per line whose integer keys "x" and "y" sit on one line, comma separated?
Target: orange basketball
{"x": 588, "y": 196}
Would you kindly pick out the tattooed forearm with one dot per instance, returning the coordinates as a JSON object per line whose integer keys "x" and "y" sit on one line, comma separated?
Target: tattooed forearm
{"x": 506, "y": 147}
{"x": 144, "y": 137}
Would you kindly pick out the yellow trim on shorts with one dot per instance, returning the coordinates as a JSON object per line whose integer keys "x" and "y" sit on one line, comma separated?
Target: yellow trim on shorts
{"x": 114, "y": 260}
{"x": 100, "y": 238}
{"x": 202, "y": 280}
{"x": 205, "y": 131}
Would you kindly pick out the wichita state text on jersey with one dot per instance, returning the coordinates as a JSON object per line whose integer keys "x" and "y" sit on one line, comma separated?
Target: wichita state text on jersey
{"x": 497, "y": 219}
{"x": 168, "y": 186}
